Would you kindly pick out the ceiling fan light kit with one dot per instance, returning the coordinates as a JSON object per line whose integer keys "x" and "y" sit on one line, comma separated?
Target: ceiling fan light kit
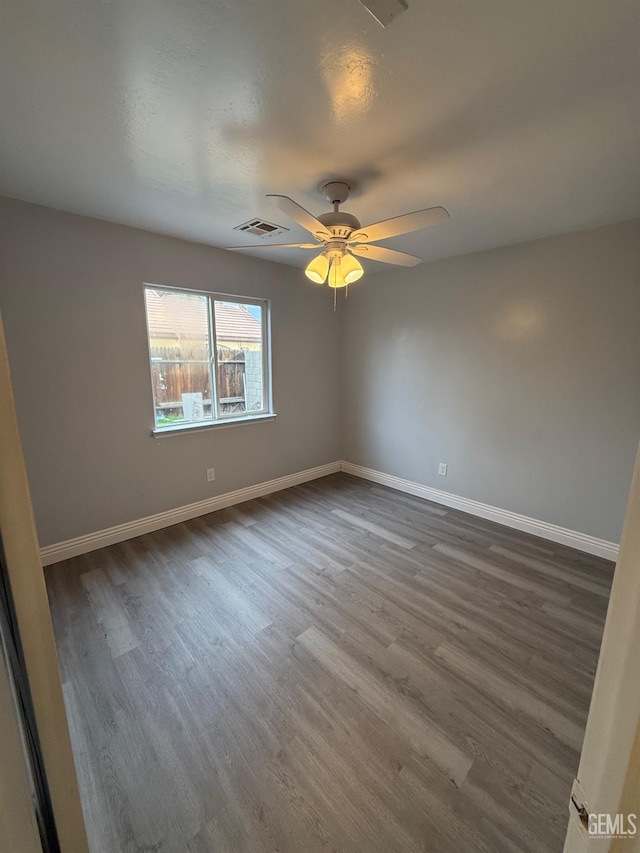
{"x": 318, "y": 269}
{"x": 341, "y": 236}
{"x": 351, "y": 269}
{"x": 336, "y": 278}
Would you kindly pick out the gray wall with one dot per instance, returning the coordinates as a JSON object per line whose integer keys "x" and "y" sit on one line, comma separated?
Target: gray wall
{"x": 519, "y": 367}
{"x": 72, "y": 304}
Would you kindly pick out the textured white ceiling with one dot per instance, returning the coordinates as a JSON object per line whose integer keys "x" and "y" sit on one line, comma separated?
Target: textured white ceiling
{"x": 519, "y": 116}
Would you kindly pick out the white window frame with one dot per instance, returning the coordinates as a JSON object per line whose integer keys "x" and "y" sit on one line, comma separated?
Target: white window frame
{"x": 219, "y": 418}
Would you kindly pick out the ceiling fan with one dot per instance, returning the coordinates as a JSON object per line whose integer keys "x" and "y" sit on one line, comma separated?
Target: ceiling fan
{"x": 341, "y": 237}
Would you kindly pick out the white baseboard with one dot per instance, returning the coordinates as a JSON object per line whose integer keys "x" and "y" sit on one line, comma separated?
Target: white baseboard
{"x": 130, "y": 529}
{"x": 563, "y": 535}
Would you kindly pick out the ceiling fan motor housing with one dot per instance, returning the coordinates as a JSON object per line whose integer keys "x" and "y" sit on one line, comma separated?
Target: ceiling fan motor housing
{"x": 339, "y": 223}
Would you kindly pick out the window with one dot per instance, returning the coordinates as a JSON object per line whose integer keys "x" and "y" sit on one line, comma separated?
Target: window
{"x": 209, "y": 357}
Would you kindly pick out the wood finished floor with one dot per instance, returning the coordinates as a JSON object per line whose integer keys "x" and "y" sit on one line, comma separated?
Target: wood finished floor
{"x": 337, "y": 668}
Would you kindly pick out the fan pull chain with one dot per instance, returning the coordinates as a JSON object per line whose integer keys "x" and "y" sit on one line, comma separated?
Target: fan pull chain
{"x": 346, "y": 292}
{"x": 335, "y": 299}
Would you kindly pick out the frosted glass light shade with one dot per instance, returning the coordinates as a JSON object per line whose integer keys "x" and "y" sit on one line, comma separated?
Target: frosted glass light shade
{"x": 351, "y": 269}
{"x": 317, "y": 269}
{"x": 336, "y": 278}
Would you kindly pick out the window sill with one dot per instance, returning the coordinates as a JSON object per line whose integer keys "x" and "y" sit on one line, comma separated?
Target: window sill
{"x": 180, "y": 429}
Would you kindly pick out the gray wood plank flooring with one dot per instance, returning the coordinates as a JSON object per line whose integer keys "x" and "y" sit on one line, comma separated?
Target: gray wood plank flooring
{"x": 337, "y": 668}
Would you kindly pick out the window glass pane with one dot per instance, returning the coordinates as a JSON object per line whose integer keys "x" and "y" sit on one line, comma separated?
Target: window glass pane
{"x": 178, "y": 326}
{"x": 240, "y": 357}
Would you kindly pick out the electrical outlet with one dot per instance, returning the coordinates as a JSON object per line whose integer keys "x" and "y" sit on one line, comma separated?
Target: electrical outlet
{"x": 211, "y": 475}
{"x": 442, "y": 469}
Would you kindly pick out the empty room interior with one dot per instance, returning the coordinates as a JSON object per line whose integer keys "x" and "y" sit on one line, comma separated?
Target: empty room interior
{"x": 320, "y": 406}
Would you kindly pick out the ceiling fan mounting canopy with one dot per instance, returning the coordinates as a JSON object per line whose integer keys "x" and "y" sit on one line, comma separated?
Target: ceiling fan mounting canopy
{"x": 341, "y": 236}
{"x": 337, "y": 192}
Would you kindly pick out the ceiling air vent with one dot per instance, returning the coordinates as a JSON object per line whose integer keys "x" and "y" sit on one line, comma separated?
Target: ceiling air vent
{"x": 260, "y": 228}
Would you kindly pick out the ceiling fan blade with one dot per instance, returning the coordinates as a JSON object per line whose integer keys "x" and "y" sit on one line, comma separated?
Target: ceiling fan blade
{"x": 301, "y": 216}
{"x": 276, "y": 246}
{"x": 387, "y": 256}
{"x": 400, "y": 225}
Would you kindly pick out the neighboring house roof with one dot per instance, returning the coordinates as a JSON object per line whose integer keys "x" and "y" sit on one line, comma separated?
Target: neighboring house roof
{"x": 234, "y": 323}
{"x": 171, "y": 315}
